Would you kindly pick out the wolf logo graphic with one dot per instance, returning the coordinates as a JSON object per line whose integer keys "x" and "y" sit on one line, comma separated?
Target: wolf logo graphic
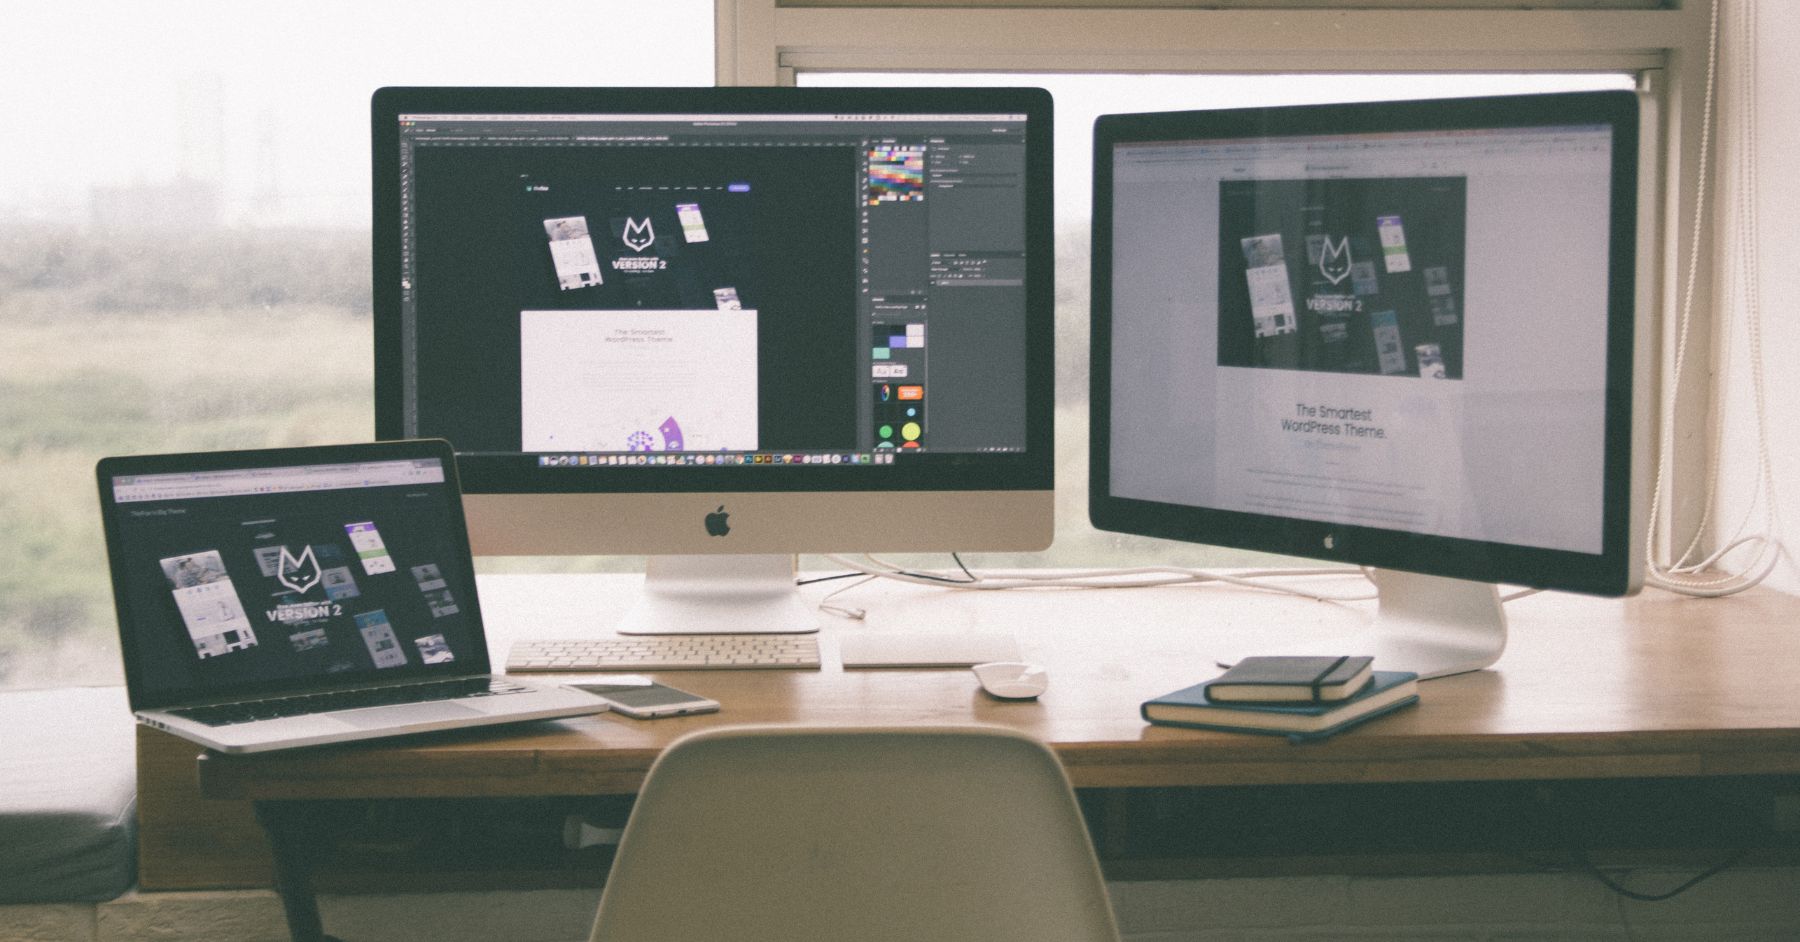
{"x": 1334, "y": 261}
{"x": 298, "y": 574}
{"x": 639, "y": 236}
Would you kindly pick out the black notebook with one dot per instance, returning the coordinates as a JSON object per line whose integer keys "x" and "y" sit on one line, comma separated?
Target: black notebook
{"x": 1293, "y": 679}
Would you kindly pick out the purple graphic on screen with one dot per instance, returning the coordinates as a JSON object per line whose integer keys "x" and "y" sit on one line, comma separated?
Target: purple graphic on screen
{"x": 671, "y": 432}
{"x": 638, "y": 441}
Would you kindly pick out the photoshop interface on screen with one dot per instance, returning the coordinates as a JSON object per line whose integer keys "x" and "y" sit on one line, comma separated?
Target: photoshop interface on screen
{"x": 714, "y": 289}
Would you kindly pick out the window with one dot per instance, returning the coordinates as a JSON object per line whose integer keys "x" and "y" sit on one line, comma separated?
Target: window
{"x": 1663, "y": 44}
{"x": 184, "y": 244}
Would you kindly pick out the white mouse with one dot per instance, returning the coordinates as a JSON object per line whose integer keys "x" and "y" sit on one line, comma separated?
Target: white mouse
{"x": 1012, "y": 680}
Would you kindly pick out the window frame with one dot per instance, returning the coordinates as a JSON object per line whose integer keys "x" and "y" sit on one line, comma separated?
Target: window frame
{"x": 1664, "y": 42}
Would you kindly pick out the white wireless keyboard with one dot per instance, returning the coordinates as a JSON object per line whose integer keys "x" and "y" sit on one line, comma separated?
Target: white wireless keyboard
{"x": 666, "y": 652}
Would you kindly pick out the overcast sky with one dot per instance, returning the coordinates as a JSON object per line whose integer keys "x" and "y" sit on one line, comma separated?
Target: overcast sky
{"x": 98, "y": 91}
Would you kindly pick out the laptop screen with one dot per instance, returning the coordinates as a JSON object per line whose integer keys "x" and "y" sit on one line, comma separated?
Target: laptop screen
{"x": 262, "y": 577}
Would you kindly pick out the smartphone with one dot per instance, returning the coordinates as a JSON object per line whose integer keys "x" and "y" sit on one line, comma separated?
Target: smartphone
{"x": 642, "y": 698}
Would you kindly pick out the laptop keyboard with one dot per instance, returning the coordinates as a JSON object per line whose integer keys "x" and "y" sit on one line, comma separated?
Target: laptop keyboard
{"x": 227, "y": 714}
{"x": 666, "y": 652}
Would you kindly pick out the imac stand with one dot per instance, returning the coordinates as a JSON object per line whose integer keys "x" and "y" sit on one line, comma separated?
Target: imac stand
{"x": 726, "y": 595}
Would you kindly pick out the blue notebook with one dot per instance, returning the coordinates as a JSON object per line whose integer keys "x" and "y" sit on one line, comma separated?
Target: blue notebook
{"x": 1190, "y": 707}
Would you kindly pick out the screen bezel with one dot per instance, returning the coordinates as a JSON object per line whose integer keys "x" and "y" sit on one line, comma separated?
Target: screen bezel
{"x": 468, "y": 663}
{"x": 1032, "y": 470}
{"x": 1610, "y": 572}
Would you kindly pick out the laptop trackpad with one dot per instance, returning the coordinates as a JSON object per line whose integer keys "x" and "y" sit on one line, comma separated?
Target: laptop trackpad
{"x": 404, "y": 713}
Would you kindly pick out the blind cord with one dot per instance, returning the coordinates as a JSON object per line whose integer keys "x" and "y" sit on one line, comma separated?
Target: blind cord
{"x": 1686, "y": 574}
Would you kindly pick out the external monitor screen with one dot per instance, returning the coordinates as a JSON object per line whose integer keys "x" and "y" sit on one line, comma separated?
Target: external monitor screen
{"x": 1333, "y": 331}
{"x": 715, "y": 289}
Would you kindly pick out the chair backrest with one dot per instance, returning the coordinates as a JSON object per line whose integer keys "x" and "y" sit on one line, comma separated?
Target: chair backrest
{"x": 778, "y": 833}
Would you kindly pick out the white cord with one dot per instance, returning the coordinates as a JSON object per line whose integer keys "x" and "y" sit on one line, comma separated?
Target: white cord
{"x": 828, "y": 606}
{"x": 1135, "y": 577}
{"x": 1685, "y": 574}
{"x": 873, "y": 568}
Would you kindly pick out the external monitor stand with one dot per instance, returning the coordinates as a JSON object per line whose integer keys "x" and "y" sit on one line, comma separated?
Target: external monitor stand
{"x": 1435, "y": 626}
{"x": 1431, "y": 625}
{"x": 737, "y": 595}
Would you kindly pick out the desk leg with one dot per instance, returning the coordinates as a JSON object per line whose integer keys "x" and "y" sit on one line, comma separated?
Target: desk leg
{"x": 296, "y": 844}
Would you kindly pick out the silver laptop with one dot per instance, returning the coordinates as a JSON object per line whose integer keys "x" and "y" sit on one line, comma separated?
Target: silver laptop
{"x": 302, "y": 596}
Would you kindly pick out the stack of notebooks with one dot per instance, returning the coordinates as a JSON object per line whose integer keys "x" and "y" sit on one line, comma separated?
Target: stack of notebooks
{"x": 1298, "y": 697}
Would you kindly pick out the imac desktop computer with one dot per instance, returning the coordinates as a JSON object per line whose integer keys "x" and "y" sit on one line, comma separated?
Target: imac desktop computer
{"x": 722, "y": 326}
{"x": 1398, "y": 335}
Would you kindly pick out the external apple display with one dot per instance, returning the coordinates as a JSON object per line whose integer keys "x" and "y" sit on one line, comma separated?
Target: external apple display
{"x": 1396, "y": 334}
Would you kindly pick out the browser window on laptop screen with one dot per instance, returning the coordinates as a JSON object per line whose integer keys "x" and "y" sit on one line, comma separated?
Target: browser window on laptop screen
{"x": 271, "y": 578}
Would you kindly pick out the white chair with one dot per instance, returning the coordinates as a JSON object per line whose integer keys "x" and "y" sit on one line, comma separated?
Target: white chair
{"x": 855, "y": 835}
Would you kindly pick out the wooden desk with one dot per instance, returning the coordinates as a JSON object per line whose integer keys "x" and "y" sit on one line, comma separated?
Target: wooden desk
{"x": 1651, "y": 687}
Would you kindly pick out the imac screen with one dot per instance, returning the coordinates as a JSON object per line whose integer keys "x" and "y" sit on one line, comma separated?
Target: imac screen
{"x": 605, "y": 289}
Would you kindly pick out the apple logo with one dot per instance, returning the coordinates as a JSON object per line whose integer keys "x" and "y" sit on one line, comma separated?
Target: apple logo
{"x": 1330, "y": 541}
{"x": 716, "y": 524}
